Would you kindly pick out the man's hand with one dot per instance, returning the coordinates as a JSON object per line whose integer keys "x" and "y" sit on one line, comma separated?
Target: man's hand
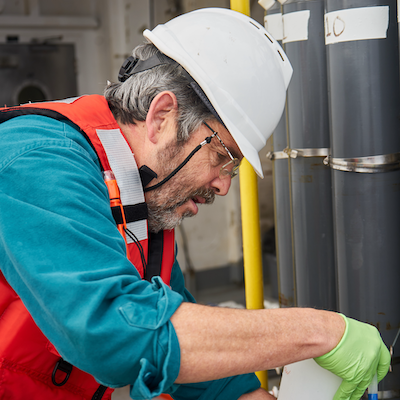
{"x": 259, "y": 394}
{"x": 359, "y": 355}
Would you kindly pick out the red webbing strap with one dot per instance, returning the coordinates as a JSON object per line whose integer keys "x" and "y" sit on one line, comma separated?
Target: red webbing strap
{"x": 168, "y": 256}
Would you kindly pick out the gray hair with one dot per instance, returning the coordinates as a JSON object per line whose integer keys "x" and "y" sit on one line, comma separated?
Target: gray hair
{"x": 130, "y": 100}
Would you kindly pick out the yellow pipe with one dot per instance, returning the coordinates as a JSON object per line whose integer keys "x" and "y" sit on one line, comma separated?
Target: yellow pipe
{"x": 251, "y": 237}
{"x": 253, "y": 273}
{"x": 242, "y": 6}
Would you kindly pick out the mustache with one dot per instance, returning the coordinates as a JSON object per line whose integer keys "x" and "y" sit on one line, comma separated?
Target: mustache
{"x": 207, "y": 194}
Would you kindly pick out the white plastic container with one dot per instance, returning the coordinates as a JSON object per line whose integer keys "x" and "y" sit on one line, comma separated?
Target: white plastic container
{"x": 306, "y": 380}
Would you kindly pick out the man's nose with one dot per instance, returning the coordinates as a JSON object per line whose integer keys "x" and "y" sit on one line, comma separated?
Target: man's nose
{"x": 221, "y": 185}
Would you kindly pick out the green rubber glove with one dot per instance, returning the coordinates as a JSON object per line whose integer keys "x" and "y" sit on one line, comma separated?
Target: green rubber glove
{"x": 359, "y": 355}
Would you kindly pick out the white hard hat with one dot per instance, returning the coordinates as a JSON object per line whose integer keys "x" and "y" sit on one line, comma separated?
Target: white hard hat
{"x": 239, "y": 66}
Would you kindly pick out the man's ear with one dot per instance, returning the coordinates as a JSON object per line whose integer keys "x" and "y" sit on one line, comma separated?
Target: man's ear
{"x": 161, "y": 115}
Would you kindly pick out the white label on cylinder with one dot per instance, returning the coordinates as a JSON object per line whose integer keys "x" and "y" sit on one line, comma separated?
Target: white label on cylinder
{"x": 295, "y": 26}
{"x": 398, "y": 13}
{"x": 273, "y": 24}
{"x": 266, "y": 4}
{"x": 356, "y": 24}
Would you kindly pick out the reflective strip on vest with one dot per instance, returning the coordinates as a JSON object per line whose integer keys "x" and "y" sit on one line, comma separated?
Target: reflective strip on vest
{"x": 126, "y": 173}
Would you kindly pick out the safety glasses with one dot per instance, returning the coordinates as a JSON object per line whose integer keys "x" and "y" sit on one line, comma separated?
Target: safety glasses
{"x": 231, "y": 168}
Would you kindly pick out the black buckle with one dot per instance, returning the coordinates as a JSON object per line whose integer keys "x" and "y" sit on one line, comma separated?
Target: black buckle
{"x": 133, "y": 65}
{"x": 64, "y": 367}
{"x": 127, "y": 66}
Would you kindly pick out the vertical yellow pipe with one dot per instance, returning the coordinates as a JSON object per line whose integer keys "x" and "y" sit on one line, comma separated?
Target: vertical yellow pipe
{"x": 242, "y": 6}
{"x": 253, "y": 273}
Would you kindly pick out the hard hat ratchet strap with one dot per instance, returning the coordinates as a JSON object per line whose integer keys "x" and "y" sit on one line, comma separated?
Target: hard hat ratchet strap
{"x": 132, "y": 65}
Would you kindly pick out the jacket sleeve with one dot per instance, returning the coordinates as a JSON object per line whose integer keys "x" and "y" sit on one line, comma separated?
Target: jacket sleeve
{"x": 61, "y": 252}
{"x": 229, "y": 388}
{"x": 222, "y": 389}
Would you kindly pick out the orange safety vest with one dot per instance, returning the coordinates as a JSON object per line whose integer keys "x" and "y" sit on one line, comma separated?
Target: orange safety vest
{"x": 29, "y": 364}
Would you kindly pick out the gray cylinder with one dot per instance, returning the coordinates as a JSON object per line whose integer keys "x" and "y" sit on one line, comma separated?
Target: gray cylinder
{"x": 283, "y": 220}
{"x": 282, "y": 203}
{"x": 364, "y": 88}
{"x": 308, "y": 119}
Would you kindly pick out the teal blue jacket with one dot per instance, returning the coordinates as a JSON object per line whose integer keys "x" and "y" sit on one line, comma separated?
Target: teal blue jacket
{"x": 62, "y": 253}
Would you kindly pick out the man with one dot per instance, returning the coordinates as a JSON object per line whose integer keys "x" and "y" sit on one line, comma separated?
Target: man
{"x": 206, "y": 91}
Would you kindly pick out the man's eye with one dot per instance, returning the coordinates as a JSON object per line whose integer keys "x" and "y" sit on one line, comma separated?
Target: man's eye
{"x": 221, "y": 156}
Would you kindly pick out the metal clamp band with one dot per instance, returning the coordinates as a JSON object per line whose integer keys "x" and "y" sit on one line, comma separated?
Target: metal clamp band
{"x": 370, "y": 164}
{"x": 320, "y": 152}
{"x": 294, "y": 153}
{"x": 277, "y": 155}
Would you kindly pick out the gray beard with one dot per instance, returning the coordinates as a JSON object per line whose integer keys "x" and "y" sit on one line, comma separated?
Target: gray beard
{"x": 163, "y": 201}
{"x": 159, "y": 221}
{"x": 162, "y": 210}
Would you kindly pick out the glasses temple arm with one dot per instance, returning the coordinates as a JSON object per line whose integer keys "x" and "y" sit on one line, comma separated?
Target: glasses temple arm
{"x": 180, "y": 166}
